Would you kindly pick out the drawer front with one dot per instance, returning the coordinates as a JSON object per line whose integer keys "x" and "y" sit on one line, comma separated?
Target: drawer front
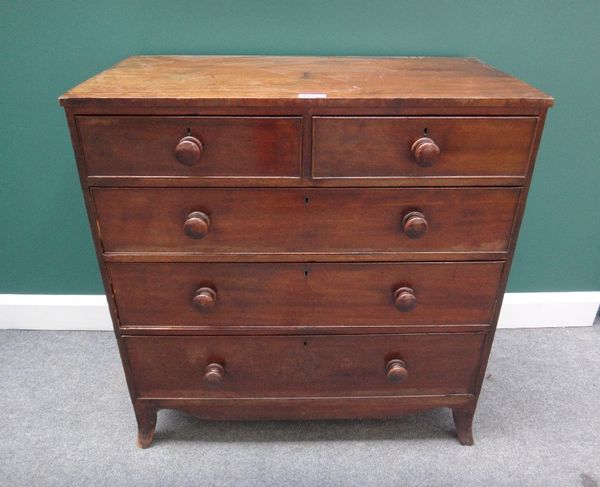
{"x": 386, "y": 147}
{"x": 305, "y": 220}
{"x": 304, "y": 366}
{"x": 168, "y": 146}
{"x": 218, "y": 295}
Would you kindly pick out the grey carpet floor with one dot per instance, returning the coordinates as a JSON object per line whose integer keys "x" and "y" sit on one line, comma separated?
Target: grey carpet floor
{"x": 65, "y": 419}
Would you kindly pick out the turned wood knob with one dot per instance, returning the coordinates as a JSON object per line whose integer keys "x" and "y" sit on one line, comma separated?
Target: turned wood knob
{"x": 405, "y": 299}
{"x": 188, "y": 151}
{"x": 196, "y": 224}
{"x": 214, "y": 375}
{"x": 396, "y": 371}
{"x": 414, "y": 224}
{"x": 205, "y": 298}
{"x": 425, "y": 151}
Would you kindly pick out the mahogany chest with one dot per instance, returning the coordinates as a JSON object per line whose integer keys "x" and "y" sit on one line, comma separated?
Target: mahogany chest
{"x": 304, "y": 237}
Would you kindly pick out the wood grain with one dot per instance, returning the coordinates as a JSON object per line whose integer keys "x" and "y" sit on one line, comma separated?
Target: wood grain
{"x": 303, "y": 366}
{"x": 305, "y": 294}
{"x": 380, "y": 147}
{"x": 254, "y": 221}
{"x": 264, "y": 80}
{"x": 242, "y": 230}
{"x": 309, "y": 408}
{"x": 231, "y": 146}
{"x": 307, "y": 182}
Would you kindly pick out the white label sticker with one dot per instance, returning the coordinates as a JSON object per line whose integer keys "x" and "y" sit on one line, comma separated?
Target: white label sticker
{"x": 312, "y": 95}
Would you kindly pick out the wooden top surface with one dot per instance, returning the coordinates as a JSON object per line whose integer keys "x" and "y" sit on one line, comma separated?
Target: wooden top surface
{"x": 322, "y": 81}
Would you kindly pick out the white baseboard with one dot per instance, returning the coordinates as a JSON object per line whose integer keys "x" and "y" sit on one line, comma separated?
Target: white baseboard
{"x": 79, "y": 312}
{"x": 542, "y": 310}
{"x": 54, "y": 312}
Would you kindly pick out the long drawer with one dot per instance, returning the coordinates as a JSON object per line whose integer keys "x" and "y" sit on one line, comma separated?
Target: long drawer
{"x": 266, "y": 294}
{"x": 389, "y": 147}
{"x": 304, "y": 366}
{"x": 206, "y": 220}
{"x": 192, "y": 146}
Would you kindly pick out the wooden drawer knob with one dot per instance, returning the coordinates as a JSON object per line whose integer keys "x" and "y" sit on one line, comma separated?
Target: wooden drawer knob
{"x": 188, "y": 151}
{"x": 414, "y": 224}
{"x": 205, "y": 298}
{"x": 396, "y": 371}
{"x": 214, "y": 375}
{"x": 405, "y": 299}
{"x": 196, "y": 224}
{"x": 425, "y": 151}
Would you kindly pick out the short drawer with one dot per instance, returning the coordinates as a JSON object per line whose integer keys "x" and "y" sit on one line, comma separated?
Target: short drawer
{"x": 191, "y": 146}
{"x": 217, "y": 295}
{"x": 207, "y": 220}
{"x": 396, "y": 147}
{"x": 304, "y": 366}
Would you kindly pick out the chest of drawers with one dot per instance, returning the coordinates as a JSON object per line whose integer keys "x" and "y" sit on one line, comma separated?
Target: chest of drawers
{"x": 304, "y": 238}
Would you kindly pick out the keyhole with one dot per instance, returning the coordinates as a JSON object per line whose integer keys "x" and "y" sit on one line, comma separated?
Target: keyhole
{"x": 305, "y": 344}
{"x": 189, "y": 131}
{"x": 305, "y": 273}
{"x": 306, "y": 200}
{"x": 425, "y": 131}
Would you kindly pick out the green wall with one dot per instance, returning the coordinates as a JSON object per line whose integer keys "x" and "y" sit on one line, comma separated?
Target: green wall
{"x": 47, "y": 47}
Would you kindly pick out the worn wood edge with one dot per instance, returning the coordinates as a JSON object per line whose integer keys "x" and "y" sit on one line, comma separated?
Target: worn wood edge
{"x": 308, "y": 257}
{"x": 325, "y": 335}
{"x": 463, "y": 422}
{"x": 304, "y": 182}
{"x": 118, "y": 109}
{"x": 389, "y": 102}
{"x": 454, "y": 398}
{"x": 303, "y": 408}
{"x": 257, "y": 330}
{"x": 93, "y": 223}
